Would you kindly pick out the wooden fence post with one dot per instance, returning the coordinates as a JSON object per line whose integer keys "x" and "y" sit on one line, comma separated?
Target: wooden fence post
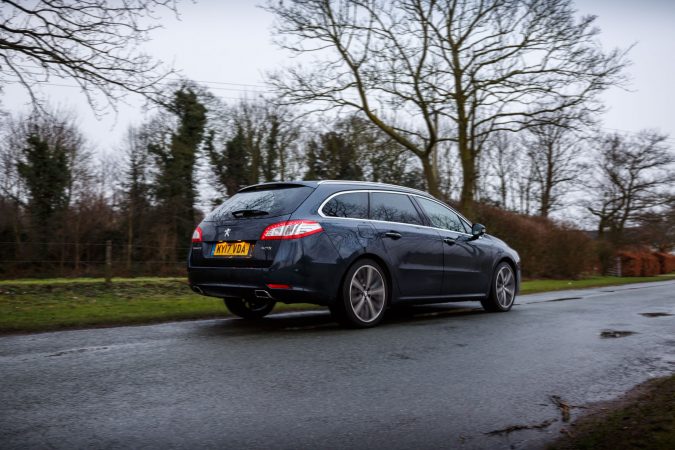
{"x": 108, "y": 262}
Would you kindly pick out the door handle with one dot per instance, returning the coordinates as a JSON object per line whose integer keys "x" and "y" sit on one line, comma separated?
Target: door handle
{"x": 449, "y": 241}
{"x": 393, "y": 234}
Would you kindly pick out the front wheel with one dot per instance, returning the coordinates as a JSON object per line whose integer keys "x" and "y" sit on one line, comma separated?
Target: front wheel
{"x": 502, "y": 291}
{"x": 365, "y": 295}
{"x": 249, "y": 309}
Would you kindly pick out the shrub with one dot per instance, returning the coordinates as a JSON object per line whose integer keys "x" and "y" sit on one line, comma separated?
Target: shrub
{"x": 546, "y": 248}
{"x": 642, "y": 262}
{"x": 666, "y": 262}
{"x": 650, "y": 265}
{"x": 631, "y": 263}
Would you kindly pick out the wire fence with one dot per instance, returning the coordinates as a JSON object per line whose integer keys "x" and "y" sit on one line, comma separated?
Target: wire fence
{"x": 96, "y": 259}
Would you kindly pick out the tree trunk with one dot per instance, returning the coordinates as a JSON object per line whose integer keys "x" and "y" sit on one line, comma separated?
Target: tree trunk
{"x": 431, "y": 176}
{"x": 282, "y": 163}
{"x": 545, "y": 201}
{"x": 130, "y": 236}
{"x": 469, "y": 177}
{"x": 547, "y": 188}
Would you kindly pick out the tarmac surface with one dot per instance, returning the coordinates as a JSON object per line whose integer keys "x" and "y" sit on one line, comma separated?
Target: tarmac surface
{"x": 443, "y": 376}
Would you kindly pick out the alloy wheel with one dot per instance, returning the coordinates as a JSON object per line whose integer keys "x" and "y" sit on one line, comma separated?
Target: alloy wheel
{"x": 506, "y": 286}
{"x": 367, "y": 293}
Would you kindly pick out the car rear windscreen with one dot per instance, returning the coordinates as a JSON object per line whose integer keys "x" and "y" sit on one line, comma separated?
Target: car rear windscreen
{"x": 260, "y": 203}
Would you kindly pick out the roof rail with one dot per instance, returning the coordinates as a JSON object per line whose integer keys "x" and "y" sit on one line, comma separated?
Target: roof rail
{"x": 374, "y": 183}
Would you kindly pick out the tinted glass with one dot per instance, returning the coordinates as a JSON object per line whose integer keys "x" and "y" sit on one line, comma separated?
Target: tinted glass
{"x": 393, "y": 208}
{"x": 353, "y": 205}
{"x": 441, "y": 217}
{"x": 261, "y": 203}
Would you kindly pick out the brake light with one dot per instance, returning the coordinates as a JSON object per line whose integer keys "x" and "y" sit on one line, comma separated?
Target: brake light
{"x": 197, "y": 235}
{"x": 278, "y": 286}
{"x": 291, "y": 229}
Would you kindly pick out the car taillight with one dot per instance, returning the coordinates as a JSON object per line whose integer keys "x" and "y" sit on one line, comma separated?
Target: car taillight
{"x": 197, "y": 235}
{"x": 292, "y": 229}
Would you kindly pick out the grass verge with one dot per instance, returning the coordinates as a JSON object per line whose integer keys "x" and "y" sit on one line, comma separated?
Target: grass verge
{"x": 51, "y": 304}
{"x": 44, "y": 305}
{"x": 645, "y": 418}
{"x": 534, "y": 286}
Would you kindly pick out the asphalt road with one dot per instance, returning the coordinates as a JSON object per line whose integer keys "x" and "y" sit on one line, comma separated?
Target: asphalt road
{"x": 432, "y": 377}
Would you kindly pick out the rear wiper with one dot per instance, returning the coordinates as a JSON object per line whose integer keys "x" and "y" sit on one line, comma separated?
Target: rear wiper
{"x": 249, "y": 213}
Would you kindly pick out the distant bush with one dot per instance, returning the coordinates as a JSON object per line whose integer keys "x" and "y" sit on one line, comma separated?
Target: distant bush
{"x": 650, "y": 265}
{"x": 644, "y": 263}
{"x": 631, "y": 263}
{"x": 666, "y": 262}
{"x": 546, "y": 249}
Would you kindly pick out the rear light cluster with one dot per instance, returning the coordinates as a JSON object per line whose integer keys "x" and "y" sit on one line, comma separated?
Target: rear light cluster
{"x": 291, "y": 229}
{"x": 197, "y": 235}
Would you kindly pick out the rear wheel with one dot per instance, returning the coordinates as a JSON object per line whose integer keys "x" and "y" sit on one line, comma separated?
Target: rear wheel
{"x": 502, "y": 291}
{"x": 249, "y": 309}
{"x": 365, "y": 295}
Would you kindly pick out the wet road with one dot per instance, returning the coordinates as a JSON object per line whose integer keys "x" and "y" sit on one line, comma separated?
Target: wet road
{"x": 432, "y": 377}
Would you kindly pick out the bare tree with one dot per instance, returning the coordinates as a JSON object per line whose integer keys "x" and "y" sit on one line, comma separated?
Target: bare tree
{"x": 92, "y": 42}
{"x": 501, "y": 152}
{"x": 379, "y": 157}
{"x": 631, "y": 176}
{"x": 451, "y": 70}
{"x": 553, "y": 150}
{"x": 251, "y": 141}
{"x": 657, "y": 228}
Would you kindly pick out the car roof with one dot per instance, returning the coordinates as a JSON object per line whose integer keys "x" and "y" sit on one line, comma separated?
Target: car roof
{"x": 342, "y": 183}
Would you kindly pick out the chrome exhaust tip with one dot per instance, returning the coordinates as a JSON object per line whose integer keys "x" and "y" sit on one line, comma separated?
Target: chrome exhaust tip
{"x": 197, "y": 289}
{"x": 260, "y": 293}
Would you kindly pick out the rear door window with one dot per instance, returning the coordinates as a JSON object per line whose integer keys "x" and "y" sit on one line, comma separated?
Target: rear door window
{"x": 393, "y": 208}
{"x": 353, "y": 205}
{"x": 261, "y": 203}
{"x": 442, "y": 217}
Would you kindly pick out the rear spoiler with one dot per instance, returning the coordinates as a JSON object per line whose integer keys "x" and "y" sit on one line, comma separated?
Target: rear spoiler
{"x": 274, "y": 185}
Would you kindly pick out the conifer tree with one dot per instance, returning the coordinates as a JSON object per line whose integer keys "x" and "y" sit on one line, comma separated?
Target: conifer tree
{"x": 176, "y": 158}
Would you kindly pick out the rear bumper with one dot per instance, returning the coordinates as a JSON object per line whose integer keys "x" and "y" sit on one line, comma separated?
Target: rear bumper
{"x": 230, "y": 290}
{"x": 310, "y": 266}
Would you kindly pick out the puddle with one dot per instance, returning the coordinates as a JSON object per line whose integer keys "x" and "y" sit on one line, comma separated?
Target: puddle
{"x": 77, "y": 350}
{"x": 512, "y": 428}
{"x": 401, "y": 356}
{"x": 562, "y": 299}
{"x": 606, "y": 334}
{"x": 655, "y": 314}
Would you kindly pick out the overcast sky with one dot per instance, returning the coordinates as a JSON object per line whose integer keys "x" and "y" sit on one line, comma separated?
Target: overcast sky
{"x": 227, "y": 43}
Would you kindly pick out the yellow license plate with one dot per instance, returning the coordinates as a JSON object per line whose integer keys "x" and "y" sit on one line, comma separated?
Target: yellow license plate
{"x": 232, "y": 249}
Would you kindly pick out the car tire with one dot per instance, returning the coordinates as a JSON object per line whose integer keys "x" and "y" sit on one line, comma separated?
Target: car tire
{"x": 502, "y": 289}
{"x": 364, "y": 295}
{"x": 249, "y": 309}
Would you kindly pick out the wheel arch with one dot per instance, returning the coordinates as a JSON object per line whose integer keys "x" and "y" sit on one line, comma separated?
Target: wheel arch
{"x": 381, "y": 262}
{"x": 507, "y": 259}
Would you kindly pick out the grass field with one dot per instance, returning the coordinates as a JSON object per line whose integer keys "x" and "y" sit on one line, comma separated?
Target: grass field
{"x": 50, "y": 304}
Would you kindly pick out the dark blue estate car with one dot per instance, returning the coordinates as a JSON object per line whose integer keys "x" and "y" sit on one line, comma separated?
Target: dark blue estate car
{"x": 356, "y": 247}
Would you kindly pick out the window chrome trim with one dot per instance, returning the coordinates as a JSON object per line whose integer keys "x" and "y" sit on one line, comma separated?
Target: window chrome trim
{"x": 330, "y": 197}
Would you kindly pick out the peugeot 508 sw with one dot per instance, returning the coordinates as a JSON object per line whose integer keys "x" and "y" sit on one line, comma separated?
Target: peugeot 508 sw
{"x": 355, "y": 247}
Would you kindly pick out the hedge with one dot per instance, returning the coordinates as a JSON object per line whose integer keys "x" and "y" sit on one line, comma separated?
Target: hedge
{"x": 644, "y": 263}
{"x": 547, "y": 249}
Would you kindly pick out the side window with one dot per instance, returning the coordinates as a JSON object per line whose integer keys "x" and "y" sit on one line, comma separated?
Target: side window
{"x": 442, "y": 217}
{"x": 393, "y": 208}
{"x": 353, "y": 205}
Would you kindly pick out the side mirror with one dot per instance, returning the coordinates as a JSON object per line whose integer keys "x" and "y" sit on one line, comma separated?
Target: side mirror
{"x": 477, "y": 230}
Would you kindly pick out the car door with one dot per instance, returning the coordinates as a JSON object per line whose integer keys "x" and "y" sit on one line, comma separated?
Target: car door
{"x": 464, "y": 260}
{"x": 415, "y": 252}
